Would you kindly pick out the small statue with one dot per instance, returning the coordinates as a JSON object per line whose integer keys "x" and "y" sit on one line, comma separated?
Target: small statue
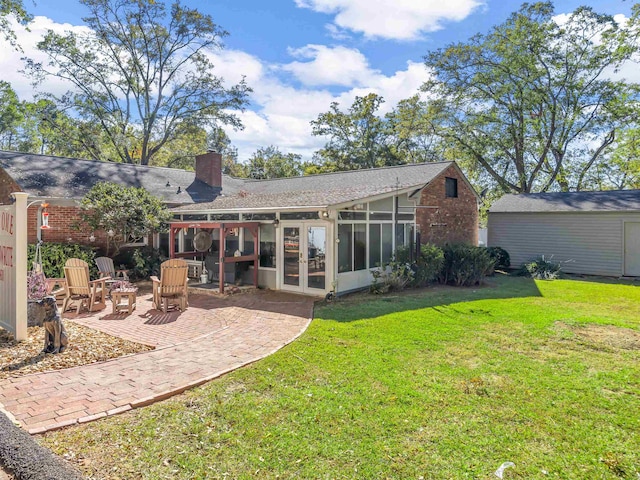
{"x": 55, "y": 336}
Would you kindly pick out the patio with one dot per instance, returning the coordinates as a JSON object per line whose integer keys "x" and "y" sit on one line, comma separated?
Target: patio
{"x": 215, "y": 335}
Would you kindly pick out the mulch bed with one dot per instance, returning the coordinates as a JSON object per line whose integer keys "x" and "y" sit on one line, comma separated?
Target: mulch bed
{"x": 86, "y": 345}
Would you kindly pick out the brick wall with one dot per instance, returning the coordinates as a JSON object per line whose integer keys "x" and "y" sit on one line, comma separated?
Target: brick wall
{"x": 62, "y": 221}
{"x": 448, "y": 220}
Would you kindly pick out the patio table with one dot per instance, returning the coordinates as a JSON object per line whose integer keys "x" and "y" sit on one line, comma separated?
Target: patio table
{"x": 123, "y": 299}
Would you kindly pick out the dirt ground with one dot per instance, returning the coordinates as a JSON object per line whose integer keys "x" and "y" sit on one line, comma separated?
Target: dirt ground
{"x": 607, "y": 335}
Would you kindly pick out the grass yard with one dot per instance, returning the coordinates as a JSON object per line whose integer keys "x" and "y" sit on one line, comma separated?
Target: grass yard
{"x": 444, "y": 383}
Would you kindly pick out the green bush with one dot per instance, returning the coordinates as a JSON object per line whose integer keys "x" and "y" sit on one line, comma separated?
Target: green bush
{"x": 429, "y": 264}
{"x": 146, "y": 261}
{"x": 393, "y": 276}
{"x": 466, "y": 265}
{"x": 501, "y": 257}
{"x": 541, "y": 269}
{"x": 55, "y": 255}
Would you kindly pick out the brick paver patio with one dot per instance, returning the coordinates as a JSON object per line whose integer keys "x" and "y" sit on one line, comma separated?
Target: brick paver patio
{"x": 215, "y": 335}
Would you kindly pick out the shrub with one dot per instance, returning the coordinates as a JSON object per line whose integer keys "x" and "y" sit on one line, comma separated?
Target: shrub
{"x": 55, "y": 255}
{"x": 542, "y": 269}
{"x": 501, "y": 257}
{"x": 465, "y": 265}
{"x": 392, "y": 276}
{"x": 429, "y": 264}
{"x": 146, "y": 261}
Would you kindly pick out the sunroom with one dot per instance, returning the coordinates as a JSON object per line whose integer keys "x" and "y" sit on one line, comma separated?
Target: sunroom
{"x": 310, "y": 250}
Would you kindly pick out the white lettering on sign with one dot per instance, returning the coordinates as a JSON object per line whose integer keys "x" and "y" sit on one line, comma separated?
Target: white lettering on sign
{"x": 6, "y": 256}
{"x": 6, "y": 222}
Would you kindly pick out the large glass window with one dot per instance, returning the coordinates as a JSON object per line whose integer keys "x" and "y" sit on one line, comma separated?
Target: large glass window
{"x": 359, "y": 246}
{"x": 375, "y": 245}
{"x": 380, "y": 243}
{"x": 247, "y": 242}
{"x": 345, "y": 247}
{"x": 268, "y": 245}
{"x": 387, "y": 242}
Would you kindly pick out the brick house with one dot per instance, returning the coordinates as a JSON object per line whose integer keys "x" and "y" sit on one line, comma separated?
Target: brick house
{"x": 311, "y": 234}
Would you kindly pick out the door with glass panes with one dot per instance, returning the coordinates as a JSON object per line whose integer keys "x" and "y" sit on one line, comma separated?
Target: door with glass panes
{"x": 304, "y": 266}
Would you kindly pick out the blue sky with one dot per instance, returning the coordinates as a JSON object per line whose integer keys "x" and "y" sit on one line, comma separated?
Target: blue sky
{"x": 300, "y": 55}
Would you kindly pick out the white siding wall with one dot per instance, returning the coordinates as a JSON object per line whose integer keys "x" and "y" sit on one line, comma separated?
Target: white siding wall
{"x": 590, "y": 242}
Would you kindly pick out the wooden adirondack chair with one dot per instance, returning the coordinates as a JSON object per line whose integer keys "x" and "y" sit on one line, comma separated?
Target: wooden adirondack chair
{"x": 107, "y": 269}
{"x": 171, "y": 288}
{"x": 80, "y": 288}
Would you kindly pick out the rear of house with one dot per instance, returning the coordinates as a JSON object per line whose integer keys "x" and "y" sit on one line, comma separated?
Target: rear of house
{"x": 594, "y": 233}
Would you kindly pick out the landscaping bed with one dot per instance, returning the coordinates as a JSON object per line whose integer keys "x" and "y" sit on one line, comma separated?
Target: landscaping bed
{"x": 86, "y": 345}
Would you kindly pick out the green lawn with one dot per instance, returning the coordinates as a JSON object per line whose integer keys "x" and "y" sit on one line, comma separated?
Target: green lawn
{"x": 444, "y": 383}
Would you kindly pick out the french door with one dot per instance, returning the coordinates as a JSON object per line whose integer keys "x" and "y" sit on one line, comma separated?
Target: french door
{"x": 304, "y": 247}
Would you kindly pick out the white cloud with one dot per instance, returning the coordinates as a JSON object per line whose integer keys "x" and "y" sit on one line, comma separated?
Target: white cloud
{"x": 281, "y": 110}
{"x": 392, "y": 19}
{"x": 329, "y": 66}
{"x": 11, "y": 62}
{"x": 283, "y": 113}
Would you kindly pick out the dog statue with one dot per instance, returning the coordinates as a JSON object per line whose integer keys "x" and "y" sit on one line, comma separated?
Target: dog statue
{"x": 55, "y": 336}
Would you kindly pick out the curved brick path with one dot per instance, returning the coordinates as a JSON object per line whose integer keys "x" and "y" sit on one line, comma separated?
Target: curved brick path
{"x": 213, "y": 336}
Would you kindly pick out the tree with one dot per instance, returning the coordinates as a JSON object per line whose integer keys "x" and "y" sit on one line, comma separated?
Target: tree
{"x": 412, "y": 132}
{"x": 142, "y": 74}
{"x": 356, "y": 139}
{"x": 270, "y": 162}
{"x": 621, "y": 166}
{"x": 15, "y": 9}
{"x": 218, "y": 141}
{"x": 522, "y": 102}
{"x": 131, "y": 213}
{"x": 10, "y": 116}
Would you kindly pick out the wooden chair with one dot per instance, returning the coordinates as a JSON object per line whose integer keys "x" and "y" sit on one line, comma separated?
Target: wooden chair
{"x": 107, "y": 269}
{"x": 171, "y": 288}
{"x": 56, "y": 287}
{"x": 80, "y": 288}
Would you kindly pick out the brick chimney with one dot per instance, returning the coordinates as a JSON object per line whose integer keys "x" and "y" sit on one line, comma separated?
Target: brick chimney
{"x": 209, "y": 169}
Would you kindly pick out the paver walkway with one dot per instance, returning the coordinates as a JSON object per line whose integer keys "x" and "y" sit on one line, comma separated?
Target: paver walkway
{"x": 213, "y": 336}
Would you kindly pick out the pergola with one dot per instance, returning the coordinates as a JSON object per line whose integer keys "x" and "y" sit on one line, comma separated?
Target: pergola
{"x": 225, "y": 229}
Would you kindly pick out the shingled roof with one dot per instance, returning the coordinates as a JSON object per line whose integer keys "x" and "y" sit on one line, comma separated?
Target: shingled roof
{"x": 606, "y": 201}
{"x": 325, "y": 189}
{"x": 71, "y": 178}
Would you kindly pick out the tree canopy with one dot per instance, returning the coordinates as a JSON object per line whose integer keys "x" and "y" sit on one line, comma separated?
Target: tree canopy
{"x": 131, "y": 213}
{"x": 270, "y": 162}
{"x": 532, "y": 105}
{"x": 143, "y": 75}
{"x": 15, "y": 9}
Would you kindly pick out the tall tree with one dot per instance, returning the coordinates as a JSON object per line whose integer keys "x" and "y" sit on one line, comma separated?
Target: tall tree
{"x": 218, "y": 141}
{"x": 270, "y": 162}
{"x": 358, "y": 138}
{"x": 10, "y": 116}
{"x": 15, "y": 9}
{"x": 414, "y": 139}
{"x": 143, "y": 74}
{"x": 521, "y": 102}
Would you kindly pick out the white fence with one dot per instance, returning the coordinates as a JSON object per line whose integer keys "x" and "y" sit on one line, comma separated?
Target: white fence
{"x": 13, "y": 266}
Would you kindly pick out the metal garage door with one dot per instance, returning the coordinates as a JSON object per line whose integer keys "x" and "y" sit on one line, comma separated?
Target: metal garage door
{"x": 632, "y": 249}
